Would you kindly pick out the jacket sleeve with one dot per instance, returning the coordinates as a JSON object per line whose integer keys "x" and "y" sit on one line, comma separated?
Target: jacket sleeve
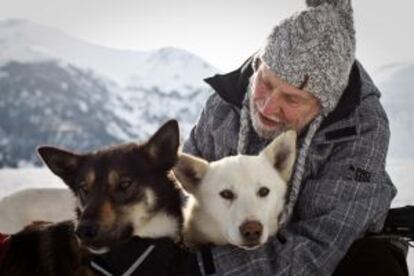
{"x": 217, "y": 116}
{"x": 348, "y": 196}
{"x": 199, "y": 135}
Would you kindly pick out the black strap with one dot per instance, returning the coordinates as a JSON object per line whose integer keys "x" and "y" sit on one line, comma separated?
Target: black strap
{"x": 146, "y": 257}
{"x": 126, "y": 258}
{"x": 208, "y": 261}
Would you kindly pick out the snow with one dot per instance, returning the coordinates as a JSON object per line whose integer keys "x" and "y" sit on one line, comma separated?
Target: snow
{"x": 24, "y": 41}
{"x": 12, "y": 180}
{"x": 4, "y": 75}
{"x": 395, "y": 83}
{"x": 402, "y": 174}
{"x": 114, "y": 128}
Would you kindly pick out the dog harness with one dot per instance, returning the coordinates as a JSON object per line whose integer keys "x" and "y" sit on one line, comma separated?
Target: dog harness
{"x": 145, "y": 257}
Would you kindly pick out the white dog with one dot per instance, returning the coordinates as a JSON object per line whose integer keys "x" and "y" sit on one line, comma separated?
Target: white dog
{"x": 35, "y": 204}
{"x": 238, "y": 199}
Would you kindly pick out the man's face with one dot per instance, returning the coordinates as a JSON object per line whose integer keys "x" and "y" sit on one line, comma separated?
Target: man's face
{"x": 276, "y": 106}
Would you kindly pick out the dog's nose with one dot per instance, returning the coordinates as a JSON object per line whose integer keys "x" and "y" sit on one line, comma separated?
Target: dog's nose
{"x": 251, "y": 231}
{"x": 87, "y": 230}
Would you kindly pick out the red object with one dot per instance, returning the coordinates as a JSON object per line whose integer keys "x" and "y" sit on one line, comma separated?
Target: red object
{"x": 3, "y": 238}
{"x": 4, "y": 244}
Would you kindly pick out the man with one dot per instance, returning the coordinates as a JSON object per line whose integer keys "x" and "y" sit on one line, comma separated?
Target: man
{"x": 306, "y": 78}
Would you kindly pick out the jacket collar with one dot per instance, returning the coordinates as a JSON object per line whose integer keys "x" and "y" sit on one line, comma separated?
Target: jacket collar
{"x": 233, "y": 86}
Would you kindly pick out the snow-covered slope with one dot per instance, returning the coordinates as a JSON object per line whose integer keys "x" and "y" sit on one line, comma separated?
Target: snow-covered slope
{"x": 396, "y": 83}
{"x": 50, "y": 103}
{"x": 166, "y": 68}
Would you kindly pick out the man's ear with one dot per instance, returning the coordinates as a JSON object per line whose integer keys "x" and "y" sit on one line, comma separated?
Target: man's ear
{"x": 190, "y": 171}
{"x": 281, "y": 153}
{"x": 162, "y": 147}
{"x": 61, "y": 162}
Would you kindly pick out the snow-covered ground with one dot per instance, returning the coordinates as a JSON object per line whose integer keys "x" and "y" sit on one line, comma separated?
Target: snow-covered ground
{"x": 402, "y": 174}
{"x": 11, "y": 180}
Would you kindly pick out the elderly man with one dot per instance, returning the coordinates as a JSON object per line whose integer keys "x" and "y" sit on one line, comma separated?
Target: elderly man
{"x": 306, "y": 78}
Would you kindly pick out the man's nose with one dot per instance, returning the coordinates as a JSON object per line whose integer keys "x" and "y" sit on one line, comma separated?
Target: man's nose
{"x": 272, "y": 104}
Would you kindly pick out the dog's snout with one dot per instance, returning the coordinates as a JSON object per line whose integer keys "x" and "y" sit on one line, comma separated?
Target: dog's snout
{"x": 87, "y": 230}
{"x": 251, "y": 231}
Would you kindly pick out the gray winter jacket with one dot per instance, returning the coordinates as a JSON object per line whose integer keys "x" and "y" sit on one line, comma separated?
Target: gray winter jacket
{"x": 345, "y": 192}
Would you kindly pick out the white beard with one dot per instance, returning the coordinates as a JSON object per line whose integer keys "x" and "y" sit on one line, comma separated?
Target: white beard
{"x": 261, "y": 130}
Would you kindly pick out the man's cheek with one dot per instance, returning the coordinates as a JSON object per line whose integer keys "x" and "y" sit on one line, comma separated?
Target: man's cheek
{"x": 259, "y": 92}
{"x": 258, "y": 102}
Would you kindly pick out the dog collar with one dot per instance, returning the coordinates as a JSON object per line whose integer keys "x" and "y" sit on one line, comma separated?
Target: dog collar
{"x": 99, "y": 264}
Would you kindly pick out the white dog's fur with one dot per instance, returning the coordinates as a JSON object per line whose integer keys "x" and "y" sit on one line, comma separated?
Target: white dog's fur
{"x": 35, "y": 204}
{"x": 215, "y": 219}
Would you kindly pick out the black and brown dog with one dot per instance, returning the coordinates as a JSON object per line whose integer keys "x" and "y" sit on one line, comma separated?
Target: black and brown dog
{"x": 122, "y": 192}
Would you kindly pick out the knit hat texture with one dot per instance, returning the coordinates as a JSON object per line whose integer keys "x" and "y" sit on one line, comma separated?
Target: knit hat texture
{"x": 315, "y": 47}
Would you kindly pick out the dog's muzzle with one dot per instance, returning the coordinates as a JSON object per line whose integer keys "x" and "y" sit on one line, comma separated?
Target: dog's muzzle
{"x": 87, "y": 231}
{"x": 251, "y": 232}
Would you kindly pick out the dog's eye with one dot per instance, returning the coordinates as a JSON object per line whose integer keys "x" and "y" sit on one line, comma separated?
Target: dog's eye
{"x": 124, "y": 184}
{"x": 263, "y": 191}
{"x": 227, "y": 194}
{"x": 83, "y": 189}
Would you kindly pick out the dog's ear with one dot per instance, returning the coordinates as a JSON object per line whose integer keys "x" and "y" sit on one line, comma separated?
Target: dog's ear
{"x": 162, "y": 147}
{"x": 190, "y": 170}
{"x": 61, "y": 162}
{"x": 281, "y": 152}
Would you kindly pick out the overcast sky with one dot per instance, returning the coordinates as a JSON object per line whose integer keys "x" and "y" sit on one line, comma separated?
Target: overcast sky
{"x": 223, "y": 32}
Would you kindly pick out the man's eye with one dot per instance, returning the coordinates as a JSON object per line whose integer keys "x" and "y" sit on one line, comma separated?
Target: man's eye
{"x": 292, "y": 100}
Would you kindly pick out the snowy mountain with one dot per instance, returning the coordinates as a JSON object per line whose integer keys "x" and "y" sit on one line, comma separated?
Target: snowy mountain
{"x": 396, "y": 83}
{"x": 48, "y": 103}
{"x": 166, "y": 68}
{"x": 55, "y": 89}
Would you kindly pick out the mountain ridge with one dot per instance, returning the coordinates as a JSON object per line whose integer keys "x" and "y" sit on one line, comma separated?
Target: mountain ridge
{"x": 81, "y": 105}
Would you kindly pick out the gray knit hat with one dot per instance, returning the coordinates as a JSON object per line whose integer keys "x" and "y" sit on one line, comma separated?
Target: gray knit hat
{"x": 316, "y": 45}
